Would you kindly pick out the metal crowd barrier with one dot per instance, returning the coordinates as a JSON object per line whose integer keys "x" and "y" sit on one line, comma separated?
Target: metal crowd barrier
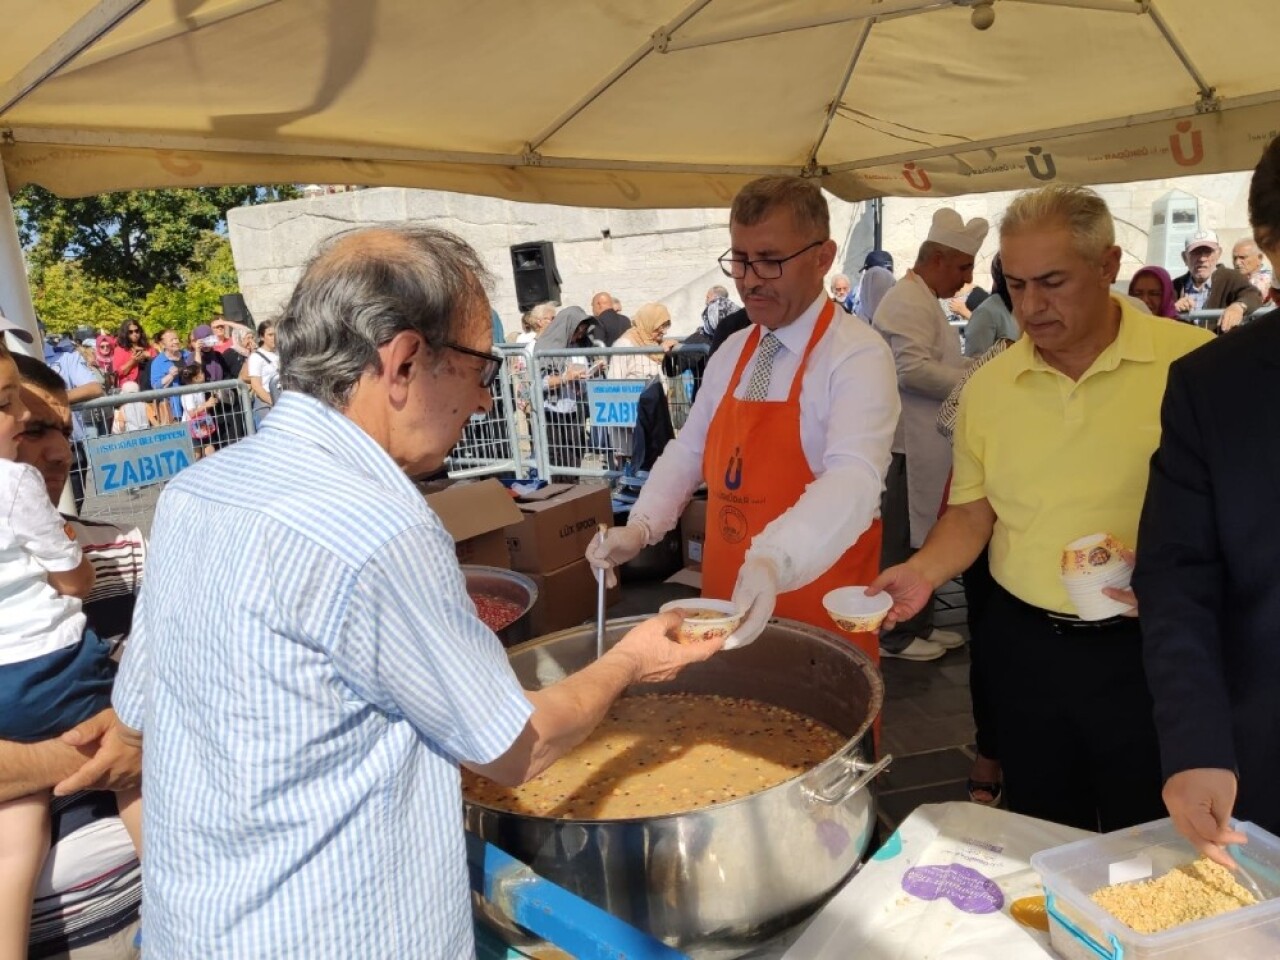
{"x": 128, "y": 445}
{"x": 583, "y": 426}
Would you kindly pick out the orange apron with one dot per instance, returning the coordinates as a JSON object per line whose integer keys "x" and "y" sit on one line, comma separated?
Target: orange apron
{"x": 755, "y": 469}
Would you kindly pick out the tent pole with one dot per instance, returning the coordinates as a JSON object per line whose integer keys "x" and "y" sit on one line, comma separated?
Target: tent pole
{"x": 15, "y": 293}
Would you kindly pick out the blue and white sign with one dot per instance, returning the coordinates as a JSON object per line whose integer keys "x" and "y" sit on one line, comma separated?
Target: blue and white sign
{"x": 614, "y": 403}
{"x": 139, "y": 459}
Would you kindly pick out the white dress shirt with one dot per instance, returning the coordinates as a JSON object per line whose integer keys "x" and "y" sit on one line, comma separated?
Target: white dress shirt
{"x": 848, "y": 410}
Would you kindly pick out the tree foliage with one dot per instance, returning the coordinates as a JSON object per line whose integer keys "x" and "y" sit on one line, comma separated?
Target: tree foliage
{"x": 156, "y": 255}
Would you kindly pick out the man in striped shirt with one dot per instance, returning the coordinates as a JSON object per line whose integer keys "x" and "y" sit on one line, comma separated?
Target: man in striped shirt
{"x": 305, "y": 719}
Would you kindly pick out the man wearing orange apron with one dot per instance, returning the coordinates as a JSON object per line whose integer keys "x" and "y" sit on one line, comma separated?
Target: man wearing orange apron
{"x": 791, "y": 430}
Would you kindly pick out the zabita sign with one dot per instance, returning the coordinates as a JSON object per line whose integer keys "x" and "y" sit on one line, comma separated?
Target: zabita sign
{"x": 138, "y": 459}
{"x": 614, "y": 403}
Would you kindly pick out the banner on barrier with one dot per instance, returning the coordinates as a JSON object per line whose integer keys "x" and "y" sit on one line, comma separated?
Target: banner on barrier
{"x": 139, "y": 459}
{"x": 614, "y": 403}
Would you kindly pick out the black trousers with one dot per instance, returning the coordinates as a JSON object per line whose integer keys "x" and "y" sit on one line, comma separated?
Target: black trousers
{"x": 895, "y": 548}
{"x": 979, "y": 586}
{"x": 1077, "y": 741}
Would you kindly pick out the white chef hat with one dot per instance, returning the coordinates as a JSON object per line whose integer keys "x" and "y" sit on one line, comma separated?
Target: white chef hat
{"x": 950, "y": 230}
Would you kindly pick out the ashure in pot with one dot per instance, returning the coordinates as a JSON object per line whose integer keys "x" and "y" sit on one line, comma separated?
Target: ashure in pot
{"x": 715, "y": 882}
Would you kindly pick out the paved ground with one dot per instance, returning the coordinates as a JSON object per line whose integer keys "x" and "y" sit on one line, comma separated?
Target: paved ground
{"x": 927, "y": 722}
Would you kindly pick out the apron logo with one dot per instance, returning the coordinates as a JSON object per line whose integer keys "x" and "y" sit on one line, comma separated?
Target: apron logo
{"x": 733, "y": 524}
{"x": 1180, "y": 157}
{"x": 733, "y": 472}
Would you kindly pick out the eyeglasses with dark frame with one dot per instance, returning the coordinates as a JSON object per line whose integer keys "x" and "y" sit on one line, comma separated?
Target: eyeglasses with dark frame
{"x": 492, "y": 362}
{"x": 766, "y": 268}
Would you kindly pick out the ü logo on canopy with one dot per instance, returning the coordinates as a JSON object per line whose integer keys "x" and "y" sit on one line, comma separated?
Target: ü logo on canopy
{"x": 1180, "y": 156}
{"x": 733, "y": 472}
{"x": 917, "y": 178}
{"x": 1050, "y": 171}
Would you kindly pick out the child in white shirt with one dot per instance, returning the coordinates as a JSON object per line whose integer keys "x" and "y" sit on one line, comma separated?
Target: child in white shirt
{"x": 54, "y": 671}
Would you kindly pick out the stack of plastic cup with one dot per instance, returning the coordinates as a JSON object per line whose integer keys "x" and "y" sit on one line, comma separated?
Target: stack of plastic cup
{"x": 1089, "y": 565}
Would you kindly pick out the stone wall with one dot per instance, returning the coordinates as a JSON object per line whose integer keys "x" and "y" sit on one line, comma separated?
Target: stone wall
{"x": 668, "y": 256}
{"x": 642, "y": 255}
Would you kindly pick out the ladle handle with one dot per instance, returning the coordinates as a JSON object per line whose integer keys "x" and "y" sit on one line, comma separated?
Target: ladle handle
{"x": 857, "y": 773}
{"x": 601, "y": 590}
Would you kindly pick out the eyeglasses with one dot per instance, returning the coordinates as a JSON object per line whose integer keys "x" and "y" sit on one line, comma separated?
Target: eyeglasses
{"x": 765, "y": 269}
{"x": 133, "y": 330}
{"x": 492, "y": 362}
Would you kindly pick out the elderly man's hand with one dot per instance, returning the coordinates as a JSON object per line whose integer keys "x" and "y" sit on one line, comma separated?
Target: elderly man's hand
{"x": 1184, "y": 305}
{"x": 1231, "y": 317}
{"x": 114, "y": 752}
{"x": 656, "y": 656}
{"x": 1200, "y": 802}
{"x": 909, "y": 589}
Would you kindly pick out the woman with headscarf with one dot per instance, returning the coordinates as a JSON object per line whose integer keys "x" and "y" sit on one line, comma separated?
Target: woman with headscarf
{"x": 993, "y": 319}
{"x": 875, "y": 283}
{"x": 1154, "y": 287}
{"x": 649, "y": 328}
{"x": 563, "y": 390}
{"x": 690, "y": 358}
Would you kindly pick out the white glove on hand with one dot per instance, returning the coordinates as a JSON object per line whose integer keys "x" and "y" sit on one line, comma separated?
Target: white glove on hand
{"x": 756, "y": 592}
{"x": 619, "y": 545}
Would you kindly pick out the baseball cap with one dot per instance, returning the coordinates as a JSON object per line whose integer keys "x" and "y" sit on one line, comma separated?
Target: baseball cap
{"x": 20, "y": 332}
{"x": 1201, "y": 238}
{"x": 202, "y": 331}
{"x": 878, "y": 258}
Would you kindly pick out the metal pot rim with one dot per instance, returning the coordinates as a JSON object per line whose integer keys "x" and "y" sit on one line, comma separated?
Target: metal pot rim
{"x": 869, "y": 669}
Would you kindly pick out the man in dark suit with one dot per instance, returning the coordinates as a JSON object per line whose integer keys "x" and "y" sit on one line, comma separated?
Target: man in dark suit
{"x": 611, "y": 323}
{"x": 1208, "y": 552}
{"x": 1210, "y": 285}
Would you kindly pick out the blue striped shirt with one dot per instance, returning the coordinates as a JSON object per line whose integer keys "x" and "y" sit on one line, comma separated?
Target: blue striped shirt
{"x": 307, "y": 669}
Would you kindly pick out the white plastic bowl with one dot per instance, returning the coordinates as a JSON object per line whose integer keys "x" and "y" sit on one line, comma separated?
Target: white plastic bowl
{"x": 713, "y": 618}
{"x": 854, "y": 611}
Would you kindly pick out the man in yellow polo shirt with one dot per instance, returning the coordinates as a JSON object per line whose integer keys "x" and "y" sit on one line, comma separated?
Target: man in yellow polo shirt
{"x": 1052, "y": 443}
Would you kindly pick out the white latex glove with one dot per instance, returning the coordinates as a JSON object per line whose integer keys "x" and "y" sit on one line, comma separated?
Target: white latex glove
{"x": 756, "y": 592}
{"x": 620, "y": 544}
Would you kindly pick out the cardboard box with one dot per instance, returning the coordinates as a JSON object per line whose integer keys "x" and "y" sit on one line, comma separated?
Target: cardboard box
{"x": 476, "y": 516}
{"x": 556, "y": 525}
{"x": 693, "y": 533}
{"x": 567, "y": 598}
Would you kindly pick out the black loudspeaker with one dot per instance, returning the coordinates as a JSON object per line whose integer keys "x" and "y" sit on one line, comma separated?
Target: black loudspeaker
{"x": 235, "y": 310}
{"x": 537, "y": 279}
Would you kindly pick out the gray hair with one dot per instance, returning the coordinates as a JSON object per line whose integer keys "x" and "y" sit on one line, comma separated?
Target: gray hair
{"x": 719, "y": 291}
{"x": 933, "y": 250}
{"x": 530, "y": 319}
{"x": 361, "y": 289}
{"x": 1081, "y": 210}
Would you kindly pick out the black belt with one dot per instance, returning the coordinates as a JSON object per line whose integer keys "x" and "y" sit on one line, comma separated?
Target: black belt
{"x": 1064, "y": 621}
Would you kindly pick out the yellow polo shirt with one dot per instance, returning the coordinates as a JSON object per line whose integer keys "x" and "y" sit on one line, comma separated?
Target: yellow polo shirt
{"x": 1059, "y": 459}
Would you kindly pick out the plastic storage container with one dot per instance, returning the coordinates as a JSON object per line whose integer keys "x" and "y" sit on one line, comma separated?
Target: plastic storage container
{"x": 1081, "y": 930}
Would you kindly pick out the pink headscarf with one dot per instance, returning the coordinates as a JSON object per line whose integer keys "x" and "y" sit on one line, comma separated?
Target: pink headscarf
{"x": 1166, "y": 288}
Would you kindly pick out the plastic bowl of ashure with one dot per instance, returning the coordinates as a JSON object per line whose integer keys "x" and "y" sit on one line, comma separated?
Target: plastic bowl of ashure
{"x": 854, "y": 611}
{"x": 704, "y": 619}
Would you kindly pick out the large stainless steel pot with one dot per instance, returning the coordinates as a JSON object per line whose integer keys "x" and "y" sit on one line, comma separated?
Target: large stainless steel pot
{"x": 715, "y": 882}
{"x": 508, "y": 585}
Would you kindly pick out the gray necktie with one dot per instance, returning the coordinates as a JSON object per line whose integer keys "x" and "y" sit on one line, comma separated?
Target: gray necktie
{"x": 762, "y": 370}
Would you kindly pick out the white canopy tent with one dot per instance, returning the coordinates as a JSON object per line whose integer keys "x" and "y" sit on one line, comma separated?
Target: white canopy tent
{"x": 625, "y": 103}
